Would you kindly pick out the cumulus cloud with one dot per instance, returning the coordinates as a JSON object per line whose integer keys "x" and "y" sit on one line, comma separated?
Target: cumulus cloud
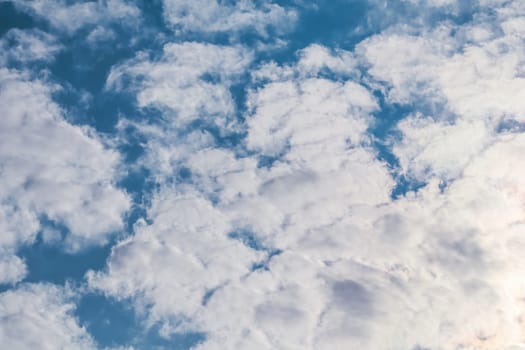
{"x": 189, "y": 84}
{"x": 221, "y": 16}
{"x": 52, "y": 171}
{"x": 312, "y": 60}
{"x": 100, "y": 35}
{"x": 254, "y": 209}
{"x": 188, "y": 239}
{"x": 12, "y": 269}
{"x": 442, "y": 149}
{"x": 272, "y": 225}
{"x": 291, "y": 115}
{"x": 371, "y": 277}
{"x": 189, "y": 81}
{"x": 454, "y": 62}
{"x": 41, "y": 316}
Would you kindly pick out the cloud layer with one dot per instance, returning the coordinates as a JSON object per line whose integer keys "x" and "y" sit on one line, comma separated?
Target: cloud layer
{"x": 265, "y": 215}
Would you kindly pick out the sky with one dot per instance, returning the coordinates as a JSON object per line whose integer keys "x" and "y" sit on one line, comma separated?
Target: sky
{"x": 250, "y": 174}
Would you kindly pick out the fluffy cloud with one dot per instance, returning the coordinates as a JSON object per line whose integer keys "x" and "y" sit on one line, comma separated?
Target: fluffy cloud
{"x": 12, "y": 268}
{"x": 359, "y": 272}
{"x": 221, "y": 16}
{"x": 52, "y": 171}
{"x": 188, "y": 85}
{"x": 465, "y": 80}
{"x": 292, "y": 115}
{"x": 276, "y": 229}
{"x": 70, "y": 17}
{"x": 189, "y": 81}
{"x": 407, "y": 63}
{"x": 324, "y": 258}
{"x": 454, "y": 65}
{"x": 232, "y": 207}
{"x": 442, "y": 149}
{"x": 403, "y": 274}
{"x": 40, "y": 316}
{"x": 188, "y": 239}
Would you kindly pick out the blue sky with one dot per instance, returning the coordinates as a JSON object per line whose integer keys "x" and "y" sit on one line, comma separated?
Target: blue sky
{"x": 208, "y": 174}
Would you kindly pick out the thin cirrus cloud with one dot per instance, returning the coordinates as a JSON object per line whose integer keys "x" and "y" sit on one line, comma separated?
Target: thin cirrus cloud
{"x": 271, "y": 222}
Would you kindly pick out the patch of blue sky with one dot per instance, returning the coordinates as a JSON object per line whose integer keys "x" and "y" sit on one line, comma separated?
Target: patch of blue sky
{"x": 329, "y": 23}
{"x": 250, "y": 240}
{"x": 50, "y": 263}
{"x": 10, "y": 18}
{"x": 84, "y": 70}
{"x": 384, "y": 132}
{"x": 114, "y": 323}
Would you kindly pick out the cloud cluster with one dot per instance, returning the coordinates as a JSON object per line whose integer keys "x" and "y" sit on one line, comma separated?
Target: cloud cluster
{"x": 291, "y": 240}
{"x": 189, "y": 81}
{"x": 52, "y": 172}
{"x": 271, "y": 224}
{"x": 39, "y": 316}
{"x": 237, "y": 229}
{"x": 464, "y": 81}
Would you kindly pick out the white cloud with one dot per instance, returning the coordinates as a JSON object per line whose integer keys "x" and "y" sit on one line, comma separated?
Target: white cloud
{"x": 221, "y": 16}
{"x": 188, "y": 239}
{"x": 442, "y": 149}
{"x": 39, "y": 316}
{"x": 53, "y": 170}
{"x": 338, "y": 263}
{"x": 316, "y": 112}
{"x": 306, "y": 251}
{"x": 486, "y": 82}
{"x": 438, "y": 270}
{"x": 12, "y": 268}
{"x": 233, "y": 208}
{"x": 70, "y": 17}
{"x": 467, "y": 78}
{"x": 27, "y": 46}
{"x": 189, "y": 81}
{"x": 407, "y": 63}
{"x": 312, "y": 60}
{"x": 474, "y": 68}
